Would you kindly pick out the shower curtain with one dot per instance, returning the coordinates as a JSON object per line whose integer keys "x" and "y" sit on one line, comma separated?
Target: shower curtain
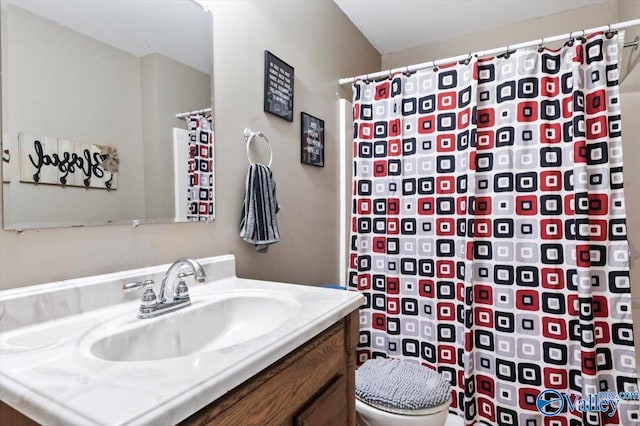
{"x": 489, "y": 236}
{"x": 200, "y": 203}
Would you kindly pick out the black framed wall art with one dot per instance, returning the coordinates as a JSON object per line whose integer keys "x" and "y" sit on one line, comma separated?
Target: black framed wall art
{"x": 278, "y": 86}
{"x": 311, "y": 140}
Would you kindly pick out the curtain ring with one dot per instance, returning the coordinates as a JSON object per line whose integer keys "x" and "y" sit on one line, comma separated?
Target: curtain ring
{"x": 609, "y": 33}
{"x": 507, "y": 54}
{"x": 435, "y": 67}
{"x": 584, "y": 36}
{"x": 541, "y": 45}
{"x": 406, "y": 71}
{"x": 468, "y": 60}
{"x": 570, "y": 41}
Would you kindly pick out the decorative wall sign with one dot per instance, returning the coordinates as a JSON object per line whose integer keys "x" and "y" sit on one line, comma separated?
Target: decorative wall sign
{"x": 278, "y": 87}
{"x": 62, "y": 162}
{"x": 311, "y": 140}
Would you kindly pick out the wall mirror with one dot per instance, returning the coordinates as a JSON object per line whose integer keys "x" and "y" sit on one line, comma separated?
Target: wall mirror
{"x": 90, "y": 96}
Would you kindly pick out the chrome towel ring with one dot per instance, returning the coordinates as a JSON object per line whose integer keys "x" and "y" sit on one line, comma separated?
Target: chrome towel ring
{"x": 249, "y": 135}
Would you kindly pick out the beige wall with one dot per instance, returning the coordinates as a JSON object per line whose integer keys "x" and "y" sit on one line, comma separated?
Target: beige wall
{"x": 317, "y": 39}
{"x": 56, "y": 92}
{"x": 168, "y": 87}
{"x": 560, "y": 23}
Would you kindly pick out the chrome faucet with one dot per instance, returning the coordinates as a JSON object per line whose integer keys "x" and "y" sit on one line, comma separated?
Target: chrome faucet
{"x": 152, "y": 306}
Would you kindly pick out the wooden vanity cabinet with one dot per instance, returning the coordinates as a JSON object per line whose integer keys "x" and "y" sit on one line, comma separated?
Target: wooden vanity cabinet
{"x": 312, "y": 386}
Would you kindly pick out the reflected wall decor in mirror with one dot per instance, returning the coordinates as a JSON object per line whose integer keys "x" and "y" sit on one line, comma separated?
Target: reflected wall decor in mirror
{"x": 106, "y": 112}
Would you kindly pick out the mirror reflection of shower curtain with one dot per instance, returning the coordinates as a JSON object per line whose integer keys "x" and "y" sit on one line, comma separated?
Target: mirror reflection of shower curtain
{"x": 489, "y": 231}
{"x": 200, "y": 202}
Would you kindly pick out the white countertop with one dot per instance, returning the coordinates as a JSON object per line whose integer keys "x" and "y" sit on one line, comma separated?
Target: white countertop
{"x": 47, "y": 374}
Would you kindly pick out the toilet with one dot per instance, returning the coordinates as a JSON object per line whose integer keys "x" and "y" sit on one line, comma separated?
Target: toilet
{"x": 392, "y": 392}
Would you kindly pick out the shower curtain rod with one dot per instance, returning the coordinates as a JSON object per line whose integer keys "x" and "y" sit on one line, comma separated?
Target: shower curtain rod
{"x": 186, "y": 114}
{"x": 490, "y": 52}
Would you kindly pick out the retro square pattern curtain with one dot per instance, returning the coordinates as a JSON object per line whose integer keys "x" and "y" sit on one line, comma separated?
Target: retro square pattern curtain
{"x": 200, "y": 202}
{"x": 488, "y": 230}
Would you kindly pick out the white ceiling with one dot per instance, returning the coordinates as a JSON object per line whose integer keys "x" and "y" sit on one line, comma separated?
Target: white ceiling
{"x": 394, "y": 25}
{"x": 178, "y": 29}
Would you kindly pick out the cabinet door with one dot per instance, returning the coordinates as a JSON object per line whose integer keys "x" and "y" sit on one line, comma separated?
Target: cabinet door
{"x": 329, "y": 407}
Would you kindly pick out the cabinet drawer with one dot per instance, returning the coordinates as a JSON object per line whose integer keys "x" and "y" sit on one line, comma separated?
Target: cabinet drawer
{"x": 327, "y": 408}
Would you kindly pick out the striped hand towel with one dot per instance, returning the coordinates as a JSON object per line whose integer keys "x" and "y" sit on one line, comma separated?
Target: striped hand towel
{"x": 259, "y": 225}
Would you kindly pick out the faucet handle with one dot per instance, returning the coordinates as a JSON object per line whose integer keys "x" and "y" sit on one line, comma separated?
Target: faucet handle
{"x": 181, "y": 291}
{"x": 147, "y": 284}
{"x": 149, "y": 298}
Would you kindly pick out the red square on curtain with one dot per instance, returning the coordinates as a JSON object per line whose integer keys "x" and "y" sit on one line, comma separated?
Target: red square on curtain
{"x": 464, "y": 118}
{"x": 528, "y": 300}
{"x": 551, "y": 181}
{"x": 485, "y": 140}
{"x": 395, "y": 147}
{"x": 427, "y": 288}
{"x": 447, "y": 100}
{"x": 364, "y": 206}
{"x": 353, "y": 261}
{"x": 445, "y": 227}
{"x": 446, "y": 312}
{"x": 379, "y": 321}
{"x": 598, "y": 204}
{"x": 484, "y": 317}
{"x": 364, "y": 282}
{"x": 393, "y": 226}
{"x": 482, "y": 205}
{"x": 580, "y": 153}
{"x": 425, "y": 206}
{"x": 447, "y": 354}
{"x": 554, "y": 328}
{"x": 551, "y": 229}
{"x": 596, "y": 102}
{"x": 485, "y": 385}
{"x": 552, "y": 278}
{"x": 583, "y": 255}
{"x": 555, "y": 378}
{"x": 602, "y": 332}
{"x": 445, "y": 269}
{"x": 446, "y": 143}
{"x": 549, "y": 86}
{"x": 393, "y": 305}
{"x": 486, "y": 409}
{"x": 460, "y": 291}
{"x": 379, "y": 245}
{"x": 527, "y": 398}
{"x": 550, "y": 132}
{"x": 573, "y": 305}
{"x": 600, "y": 306}
{"x": 527, "y": 112}
{"x": 395, "y": 127}
{"x": 393, "y": 285}
{"x": 483, "y": 294}
{"x": 527, "y": 205}
{"x": 393, "y": 206}
{"x": 589, "y": 362}
{"x": 567, "y": 107}
{"x": 597, "y": 127}
{"x": 427, "y": 124}
{"x": 365, "y": 131}
{"x": 486, "y": 117}
{"x": 569, "y": 204}
{"x": 380, "y": 168}
{"x": 482, "y": 228}
{"x": 356, "y": 111}
{"x": 382, "y": 91}
{"x": 461, "y": 205}
{"x": 445, "y": 185}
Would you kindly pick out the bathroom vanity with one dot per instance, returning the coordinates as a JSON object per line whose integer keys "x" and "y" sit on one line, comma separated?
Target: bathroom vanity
{"x": 244, "y": 352}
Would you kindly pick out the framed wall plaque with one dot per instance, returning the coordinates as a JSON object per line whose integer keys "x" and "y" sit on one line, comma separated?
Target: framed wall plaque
{"x": 311, "y": 140}
{"x": 278, "y": 86}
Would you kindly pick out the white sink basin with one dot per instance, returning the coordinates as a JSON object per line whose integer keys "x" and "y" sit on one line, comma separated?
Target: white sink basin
{"x": 205, "y": 326}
